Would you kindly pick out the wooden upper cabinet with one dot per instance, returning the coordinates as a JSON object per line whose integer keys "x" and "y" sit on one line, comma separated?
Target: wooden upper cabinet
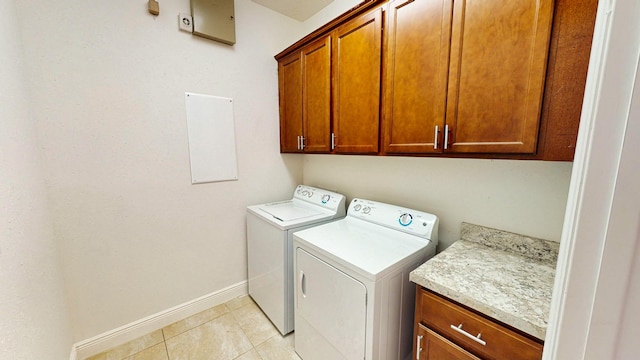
{"x": 497, "y": 72}
{"x": 418, "y": 37}
{"x": 573, "y": 25}
{"x": 305, "y": 98}
{"x": 290, "y": 92}
{"x": 356, "y": 65}
{"x": 460, "y": 78}
{"x": 316, "y": 95}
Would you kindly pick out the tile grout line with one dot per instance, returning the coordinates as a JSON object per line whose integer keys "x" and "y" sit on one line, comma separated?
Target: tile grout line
{"x": 166, "y": 348}
{"x": 253, "y": 347}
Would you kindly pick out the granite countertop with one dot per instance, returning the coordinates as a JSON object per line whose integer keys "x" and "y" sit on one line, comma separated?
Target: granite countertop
{"x": 506, "y": 276}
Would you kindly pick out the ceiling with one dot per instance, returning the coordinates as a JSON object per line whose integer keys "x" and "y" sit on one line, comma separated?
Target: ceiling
{"x": 300, "y": 10}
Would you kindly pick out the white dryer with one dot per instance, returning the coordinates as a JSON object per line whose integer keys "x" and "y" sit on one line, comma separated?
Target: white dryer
{"x": 353, "y": 297}
{"x": 270, "y": 230}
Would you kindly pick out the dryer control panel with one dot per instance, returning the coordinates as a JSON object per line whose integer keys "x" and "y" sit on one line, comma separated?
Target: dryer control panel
{"x": 411, "y": 221}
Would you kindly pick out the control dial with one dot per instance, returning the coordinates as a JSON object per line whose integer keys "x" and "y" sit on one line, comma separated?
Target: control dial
{"x": 366, "y": 210}
{"x": 405, "y": 219}
{"x": 357, "y": 207}
{"x": 326, "y": 198}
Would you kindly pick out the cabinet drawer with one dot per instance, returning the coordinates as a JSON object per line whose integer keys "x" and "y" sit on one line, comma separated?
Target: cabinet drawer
{"x": 491, "y": 340}
{"x": 431, "y": 346}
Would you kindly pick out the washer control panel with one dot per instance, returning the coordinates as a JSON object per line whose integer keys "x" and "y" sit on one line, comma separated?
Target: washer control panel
{"x": 395, "y": 217}
{"x": 325, "y": 198}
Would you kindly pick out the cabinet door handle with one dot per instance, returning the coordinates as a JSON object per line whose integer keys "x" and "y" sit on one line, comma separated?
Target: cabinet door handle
{"x": 446, "y": 137}
{"x": 418, "y": 347}
{"x": 435, "y": 137}
{"x": 333, "y": 141}
{"x": 301, "y": 142}
{"x": 298, "y": 147}
{"x": 474, "y": 338}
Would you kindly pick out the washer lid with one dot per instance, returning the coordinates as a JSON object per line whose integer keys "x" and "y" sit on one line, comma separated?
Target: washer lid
{"x": 371, "y": 250}
{"x": 289, "y": 211}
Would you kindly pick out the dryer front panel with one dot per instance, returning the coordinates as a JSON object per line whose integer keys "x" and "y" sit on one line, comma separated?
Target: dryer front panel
{"x": 331, "y": 311}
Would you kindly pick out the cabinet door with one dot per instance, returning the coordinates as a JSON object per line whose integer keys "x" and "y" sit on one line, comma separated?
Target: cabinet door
{"x": 418, "y": 39}
{"x": 356, "y": 84}
{"x": 496, "y": 79}
{"x": 431, "y": 346}
{"x": 316, "y": 94}
{"x": 290, "y": 88}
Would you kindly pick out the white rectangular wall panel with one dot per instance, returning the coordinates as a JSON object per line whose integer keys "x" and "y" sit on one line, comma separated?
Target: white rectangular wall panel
{"x": 212, "y": 139}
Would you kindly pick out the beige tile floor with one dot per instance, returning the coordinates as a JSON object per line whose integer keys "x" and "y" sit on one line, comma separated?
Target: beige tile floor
{"x": 235, "y": 330}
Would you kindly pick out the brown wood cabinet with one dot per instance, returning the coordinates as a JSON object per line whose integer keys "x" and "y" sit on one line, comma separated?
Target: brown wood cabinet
{"x": 305, "y": 98}
{"x": 496, "y": 75}
{"x": 485, "y": 79}
{"x": 290, "y": 89}
{"x": 344, "y": 64}
{"x": 316, "y": 96}
{"x": 573, "y": 25}
{"x": 465, "y": 334}
{"x": 357, "y": 55}
{"x": 494, "y": 54}
{"x": 418, "y": 42}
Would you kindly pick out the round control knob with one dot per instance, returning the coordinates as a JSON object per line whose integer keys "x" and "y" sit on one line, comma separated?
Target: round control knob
{"x": 310, "y": 194}
{"x": 366, "y": 210}
{"x": 325, "y": 198}
{"x": 357, "y": 207}
{"x": 305, "y": 193}
{"x": 405, "y": 219}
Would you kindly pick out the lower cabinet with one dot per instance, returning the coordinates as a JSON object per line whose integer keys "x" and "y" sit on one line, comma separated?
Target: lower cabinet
{"x": 445, "y": 330}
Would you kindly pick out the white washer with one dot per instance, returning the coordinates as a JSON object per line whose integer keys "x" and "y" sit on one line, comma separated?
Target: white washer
{"x": 270, "y": 230}
{"x": 353, "y": 298}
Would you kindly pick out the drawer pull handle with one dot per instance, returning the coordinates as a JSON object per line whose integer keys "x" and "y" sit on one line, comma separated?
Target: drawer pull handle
{"x": 474, "y": 338}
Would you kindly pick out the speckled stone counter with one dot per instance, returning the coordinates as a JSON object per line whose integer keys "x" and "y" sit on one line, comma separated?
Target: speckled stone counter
{"x": 506, "y": 276}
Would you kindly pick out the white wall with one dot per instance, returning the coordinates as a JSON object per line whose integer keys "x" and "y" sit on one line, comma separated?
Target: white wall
{"x": 34, "y": 321}
{"x": 526, "y": 197}
{"x": 108, "y": 82}
{"x": 328, "y": 13}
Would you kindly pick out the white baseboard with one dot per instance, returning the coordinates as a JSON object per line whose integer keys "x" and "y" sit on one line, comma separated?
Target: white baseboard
{"x": 133, "y": 330}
